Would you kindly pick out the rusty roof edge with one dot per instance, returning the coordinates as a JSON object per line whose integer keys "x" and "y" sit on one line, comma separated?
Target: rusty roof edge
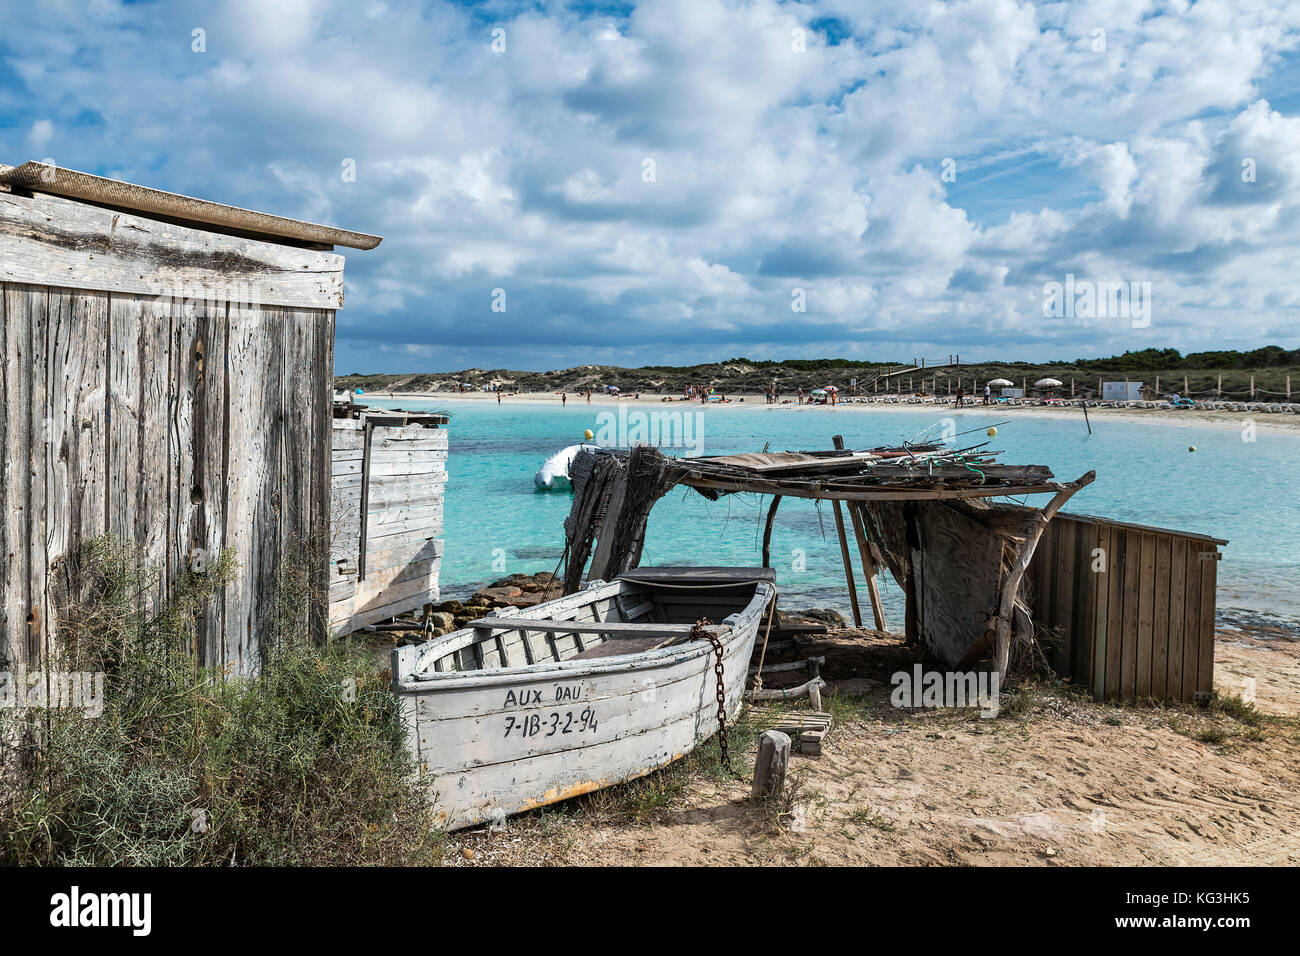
{"x": 71, "y": 184}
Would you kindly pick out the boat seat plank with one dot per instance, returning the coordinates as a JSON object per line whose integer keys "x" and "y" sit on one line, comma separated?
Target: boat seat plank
{"x": 618, "y": 646}
{"x": 631, "y": 614}
{"x": 695, "y": 577}
{"x": 576, "y": 627}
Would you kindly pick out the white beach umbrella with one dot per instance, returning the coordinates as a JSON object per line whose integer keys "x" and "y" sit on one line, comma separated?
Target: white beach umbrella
{"x": 1002, "y": 382}
{"x": 1047, "y": 383}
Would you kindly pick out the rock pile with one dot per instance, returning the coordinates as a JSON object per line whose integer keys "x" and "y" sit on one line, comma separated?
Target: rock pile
{"x": 517, "y": 590}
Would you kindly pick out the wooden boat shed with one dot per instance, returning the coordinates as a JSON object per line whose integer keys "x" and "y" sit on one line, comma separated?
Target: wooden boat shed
{"x": 166, "y": 380}
{"x": 966, "y": 564}
{"x": 389, "y": 475}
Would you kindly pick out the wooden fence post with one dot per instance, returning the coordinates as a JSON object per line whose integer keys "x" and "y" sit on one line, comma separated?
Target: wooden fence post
{"x": 770, "y": 767}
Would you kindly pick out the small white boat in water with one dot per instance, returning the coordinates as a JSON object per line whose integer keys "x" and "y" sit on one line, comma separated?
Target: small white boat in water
{"x": 526, "y": 707}
{"x": 554, "y": 473}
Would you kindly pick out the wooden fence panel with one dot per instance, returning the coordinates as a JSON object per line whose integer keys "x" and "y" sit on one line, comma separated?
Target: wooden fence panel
{"x": 1177, "y": 625}
{"x": 1099, "y": 566}
{"x": 1160, "y": 623}
{"x": 1146, "y": 614}
{"x": 1191, "y": 624}
{"x": 1129, "y": 619}
{"x": 1138, "y": 625}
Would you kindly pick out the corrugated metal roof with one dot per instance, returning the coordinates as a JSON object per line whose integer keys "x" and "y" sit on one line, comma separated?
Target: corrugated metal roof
{"x": 40, "y": 177}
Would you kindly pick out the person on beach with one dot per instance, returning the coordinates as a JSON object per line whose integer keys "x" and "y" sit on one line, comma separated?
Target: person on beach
{"x": 564, "y": 398}
{"x": 498, "y": 396}
{"x": 799, "y": 396}
{"x": 961, "y": 395}
{"x": 988, "y": 395}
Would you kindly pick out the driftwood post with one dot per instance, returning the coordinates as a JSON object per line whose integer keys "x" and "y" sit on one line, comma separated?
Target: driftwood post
{"x": 869, "y": 566}
{"x": 770, "y": 767}
{"x": 604, "y": 555}
{"x": 1011, "y": 586}
{"x": 767, "y": 532}
{"x": 838, "y": 442}
{"x": 848, "y": 563}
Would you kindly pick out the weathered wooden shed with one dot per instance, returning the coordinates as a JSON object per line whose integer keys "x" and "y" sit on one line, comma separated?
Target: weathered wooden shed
{"x": 389, "y": 474}
{"x": 167, "y": 380}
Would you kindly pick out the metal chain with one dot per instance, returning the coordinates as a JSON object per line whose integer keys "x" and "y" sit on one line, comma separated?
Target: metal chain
{"x": 698, "y": 633}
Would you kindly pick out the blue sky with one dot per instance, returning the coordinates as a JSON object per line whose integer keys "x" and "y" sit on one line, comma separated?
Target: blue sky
{"x": 919, "y": 171}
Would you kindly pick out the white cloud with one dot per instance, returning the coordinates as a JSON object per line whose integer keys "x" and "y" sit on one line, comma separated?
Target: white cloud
{"x": 41, "y": 132}
{"x": 774, "y": 167}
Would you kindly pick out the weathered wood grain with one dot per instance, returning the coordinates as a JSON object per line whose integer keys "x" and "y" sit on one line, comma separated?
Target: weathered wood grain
{"x": 130, "y": 410}
{"x": 1177, "y": 622}
{"x": 50, "y": 241}
{"x": 1135, "y": 616}
{"x": 388, "y": 483}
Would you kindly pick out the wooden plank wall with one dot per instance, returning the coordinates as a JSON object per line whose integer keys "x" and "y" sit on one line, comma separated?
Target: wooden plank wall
{"x": 395, "y": 479}
{"x": 174, "y": 424}
{"x": 1127, "y": 611}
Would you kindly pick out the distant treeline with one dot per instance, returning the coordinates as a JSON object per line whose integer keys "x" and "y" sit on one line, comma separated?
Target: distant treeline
{"x": 1270, "y": 356}
{"x": 1267, "y": 369}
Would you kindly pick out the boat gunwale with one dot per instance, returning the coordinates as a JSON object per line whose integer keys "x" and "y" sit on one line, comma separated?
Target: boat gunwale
{"x": 427, "y": 681}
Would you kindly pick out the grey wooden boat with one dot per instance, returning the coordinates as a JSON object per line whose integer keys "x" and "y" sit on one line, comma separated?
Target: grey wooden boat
{"x": 526, "y": 707}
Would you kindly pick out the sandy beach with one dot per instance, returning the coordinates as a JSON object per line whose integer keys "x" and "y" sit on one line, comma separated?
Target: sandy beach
{"x": 1283, "y": 421}
{"x": 1058, "y": 780}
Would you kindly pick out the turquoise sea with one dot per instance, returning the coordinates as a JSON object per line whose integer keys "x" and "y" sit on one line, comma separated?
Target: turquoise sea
{"x": 496, "y": 524}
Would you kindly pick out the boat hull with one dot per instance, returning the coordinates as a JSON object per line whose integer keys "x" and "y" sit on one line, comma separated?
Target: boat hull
{"x": 497, "y": 742}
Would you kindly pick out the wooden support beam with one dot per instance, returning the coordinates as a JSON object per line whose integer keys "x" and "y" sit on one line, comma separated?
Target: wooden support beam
{"x": 604, "y": 557}
{"x": 826, "y": 489}
{"x": 1011, "y": 584}
{"x": 838, "y": 442}
{"x": 869, "y": 568}
{"x": 365, "y": 500}
{"x": 767, "y": 532}
{"x": 848, "y": 563}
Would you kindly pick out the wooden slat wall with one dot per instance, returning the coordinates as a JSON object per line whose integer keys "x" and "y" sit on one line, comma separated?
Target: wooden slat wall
{"x": 172, "y": 424}
{"x": 1127, "y": 611}
{"x": 53, "y": 241}
{"x": 405, "y": 481}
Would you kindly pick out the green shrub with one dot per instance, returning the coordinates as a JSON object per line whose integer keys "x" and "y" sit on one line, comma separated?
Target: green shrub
{"x": 304, "y": 765}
